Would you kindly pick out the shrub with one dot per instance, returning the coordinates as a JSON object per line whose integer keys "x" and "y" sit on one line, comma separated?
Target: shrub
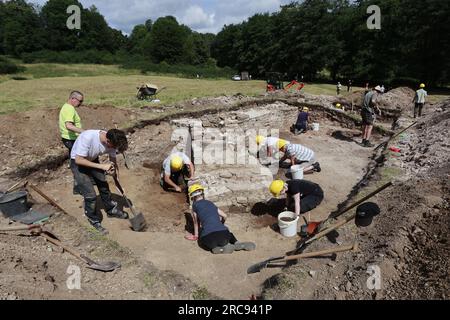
{"x": 8, "y": 67}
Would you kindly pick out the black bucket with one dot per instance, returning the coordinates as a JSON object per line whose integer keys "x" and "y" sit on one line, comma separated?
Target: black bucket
{"x": 15, "y": 203}
{"x": 365, "y": 213}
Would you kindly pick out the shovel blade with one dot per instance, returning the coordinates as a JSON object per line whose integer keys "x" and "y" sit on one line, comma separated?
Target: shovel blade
{"x": 105, "y": 267}
{"x": 138, "y": 222}
{"x": 257, "y": 267}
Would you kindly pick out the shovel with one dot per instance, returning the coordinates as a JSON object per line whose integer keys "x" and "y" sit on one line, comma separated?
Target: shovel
{"x": 38, "y": 230}
{"x": 264, "y": 264}
{"x": 137, "y": 221}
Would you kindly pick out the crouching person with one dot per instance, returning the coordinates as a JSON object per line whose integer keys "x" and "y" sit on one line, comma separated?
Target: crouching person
{"x": 87, "y": 170}
{"x": 174, "y": 166}
{"x": 214, "y": 235}
{"x": 305, "y": 195}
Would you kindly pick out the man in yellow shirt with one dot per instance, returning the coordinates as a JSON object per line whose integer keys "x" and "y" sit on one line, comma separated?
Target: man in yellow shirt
{"x": 69, "y": 120}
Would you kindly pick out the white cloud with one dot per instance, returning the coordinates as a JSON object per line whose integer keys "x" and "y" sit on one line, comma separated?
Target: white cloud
{"x": 199, "y": 15}
{"x": 196, "y": 18}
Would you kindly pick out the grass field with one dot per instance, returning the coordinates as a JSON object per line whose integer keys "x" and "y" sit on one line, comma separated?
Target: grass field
{"x": 48, "y": 85}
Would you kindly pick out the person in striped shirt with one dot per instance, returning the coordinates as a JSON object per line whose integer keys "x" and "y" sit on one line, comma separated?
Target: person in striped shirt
{"x": 299, "y": 154}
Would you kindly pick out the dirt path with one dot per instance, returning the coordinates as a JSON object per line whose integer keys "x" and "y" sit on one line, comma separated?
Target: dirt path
{"x": 223, "y": 275}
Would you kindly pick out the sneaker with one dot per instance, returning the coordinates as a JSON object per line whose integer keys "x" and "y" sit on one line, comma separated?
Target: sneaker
{"x": 247, "y": 246}
{"x": 368, "y": 144}
{"x": 229, "y": 248}
{"x": 317, "y": 167}
{"x": 100, "y": 228}
{"x": 117, "y": 213}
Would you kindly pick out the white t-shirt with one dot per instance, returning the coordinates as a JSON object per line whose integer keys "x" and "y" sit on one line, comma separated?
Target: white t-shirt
{"x": 166, "y": 162}
{"x": 272, "y": 142}
{"x": 88, "y": 145}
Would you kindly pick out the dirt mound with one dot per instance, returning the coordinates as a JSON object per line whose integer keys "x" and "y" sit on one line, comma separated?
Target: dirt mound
{"x": 34, "y": 135}
{"x": 429, "y": 146}
{"x": 31, "y": 268}
{"x": 397, "y": 99}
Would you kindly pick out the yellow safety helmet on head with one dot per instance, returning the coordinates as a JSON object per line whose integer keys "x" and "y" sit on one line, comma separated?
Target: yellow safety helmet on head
{"x": 195, "y": 190}
{"x": 338, "y": 105}
{"x": 422, "y": 85}
{"x": 276, "y": 187}
{"x": 259, "y": 139}
{"x": 281, "y": 143}
{"x": 176, "y": 163}
{"x": 306, "y": 109}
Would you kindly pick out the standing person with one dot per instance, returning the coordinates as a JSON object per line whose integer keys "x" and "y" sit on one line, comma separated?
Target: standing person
{"x": 338, "y": 88}
{"x": 69, "y": 120}
{"x": 301, "y": 125}
{"x": 214, "y": 235}
{"x": 173, "y": 167}
{"x": 87, "y": 169}
{"x": 349, "y": 85}
{"x": 299, "y": 154}
{"x": 271, "y": 143}
{"x": 368, "y": 115}
{"x": 419, "y": 100}
{"x": 305, "y": 195}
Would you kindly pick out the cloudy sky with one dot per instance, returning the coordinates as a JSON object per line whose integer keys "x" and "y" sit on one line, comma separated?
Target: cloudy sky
{"x": 199, "y": 15}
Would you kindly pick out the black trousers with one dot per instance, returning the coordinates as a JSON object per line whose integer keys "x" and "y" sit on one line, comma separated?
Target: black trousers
{"x": 418, "y": 109}
{"x": 68, "y": 144}
{"x": 217, "y": 239}
{"x": 85, "y": 178}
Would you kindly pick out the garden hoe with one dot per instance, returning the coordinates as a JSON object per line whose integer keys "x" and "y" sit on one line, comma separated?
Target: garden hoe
{"x": 137, "y": 221}
{"x": 264, "y": 264}
{"x": 50, "y": 237}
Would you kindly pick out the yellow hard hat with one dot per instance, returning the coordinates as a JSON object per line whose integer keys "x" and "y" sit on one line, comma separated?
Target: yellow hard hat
{"x": 306, "y": 109}
{"x": 194, "y": 188}
{"x": 176, "y": 163}
{"x": 422, "y": 85}
{"x": 276, "y": 187}
{"x": 338, "y": 105}
{"x": 259, "y": 139}
{"x": 281, "y": 143}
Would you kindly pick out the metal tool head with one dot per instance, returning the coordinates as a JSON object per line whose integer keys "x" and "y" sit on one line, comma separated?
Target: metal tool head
{"x": 105, "y": 267}
{"x": 138, "y": 222}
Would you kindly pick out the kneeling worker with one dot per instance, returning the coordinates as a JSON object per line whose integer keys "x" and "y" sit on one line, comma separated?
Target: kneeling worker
{"x": 86, "y": 169}
{"x": 299, "y": 154}
{"x": 214, "y": 235}
{"x": 306, "y": 194}
{"x": 271, "y": 143}
{"x": 173, "y": 167}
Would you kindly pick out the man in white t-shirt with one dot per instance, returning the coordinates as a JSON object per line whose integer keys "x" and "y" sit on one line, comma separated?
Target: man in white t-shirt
{"x": 173, "y": 167}
{"x": 271, "y": 143}
{"x": 87, "y": 170}
{"x": 299, "y": 154}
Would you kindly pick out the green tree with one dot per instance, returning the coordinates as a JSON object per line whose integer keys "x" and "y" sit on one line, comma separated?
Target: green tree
{"x": 168, "y": 40}
{"x": 20, "y": 28}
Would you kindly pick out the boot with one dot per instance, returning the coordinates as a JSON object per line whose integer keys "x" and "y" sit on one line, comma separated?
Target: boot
{"x": 99, "y": 228}
{"x": 317, "y": 167}
{"x": 368, "y": 144}
{"x": 247, "y": 246}
{"x": 115, "y": 212}
{"x": 229, "y": 248}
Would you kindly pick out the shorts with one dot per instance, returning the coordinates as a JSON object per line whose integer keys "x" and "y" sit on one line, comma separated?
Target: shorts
{"x": 367, "y": 118}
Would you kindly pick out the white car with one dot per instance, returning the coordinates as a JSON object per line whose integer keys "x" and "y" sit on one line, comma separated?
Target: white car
{"x": 236, "y": 77}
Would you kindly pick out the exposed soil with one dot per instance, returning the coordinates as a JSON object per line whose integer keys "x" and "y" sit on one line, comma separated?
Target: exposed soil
{"x": 408, "y": 241}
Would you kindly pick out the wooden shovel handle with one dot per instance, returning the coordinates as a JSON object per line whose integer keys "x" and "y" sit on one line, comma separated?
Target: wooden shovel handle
{"x": 61, "y": 245}
{"x": 52, "y": 202}
{"x": 319, "y": 253}
{"x": 20, "y": 228}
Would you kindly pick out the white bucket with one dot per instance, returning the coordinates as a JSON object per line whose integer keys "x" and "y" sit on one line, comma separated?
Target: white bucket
{"x": 315, "y": 126}
{"x": 287, "y": 228}
{"x": 297, "y": 172}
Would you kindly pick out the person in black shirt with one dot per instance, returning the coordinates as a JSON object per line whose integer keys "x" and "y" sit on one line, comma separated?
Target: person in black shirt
{"x": 214, "y": 235}
{"x": 306, "y": 195}
{"x": 302, "y": 121}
